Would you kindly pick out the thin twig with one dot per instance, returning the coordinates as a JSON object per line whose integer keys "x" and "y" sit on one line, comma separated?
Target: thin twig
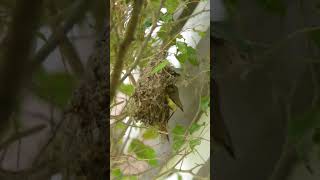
{"x": 43, "y": 149}
{"x": 124, "y": 46}
{"x": 144, "y": 44}
{"x": 21, "y": 134}
{"x": 77, "y": 10}
{"x": 66, "y": 48}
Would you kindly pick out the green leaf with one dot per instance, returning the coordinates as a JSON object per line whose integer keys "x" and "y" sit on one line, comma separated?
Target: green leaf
{"x": 163, "y": 32}
{"x": 147, "y": 23}
{"x": 150, "y": 134}
{"x": 166, "y": 18}
{"x": 179, "y": 177}
{"x": 127, "y": 89}
{"x": 182, "y": 58}
{"x": 195, "y": 127}
{"x": 120, "y": 126}
{"x": 155, "y": 4}
{"x": 179, "y": 130}
{"x": 194, "y": 142}
{"x": 202, "y": 34}
{"x": 204, "y": 103}
{"x": 116, "y": 173}
{"x": 171, "y": 6}
{"x": 143, "y": 152}
{"x": 56, "y": 88}
{"x": 186, "y": 53}
{"x": 153, "y": 162}
{"x": 182, "y": 47}
{"x": 159, "y": 67}
{"x": 178, "y": 137}
{"x": 192, "y": 54}
{"x": 130, "y": 178}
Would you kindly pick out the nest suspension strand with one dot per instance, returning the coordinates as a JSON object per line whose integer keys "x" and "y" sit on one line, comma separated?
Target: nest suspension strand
{"x": 150, "y": 101}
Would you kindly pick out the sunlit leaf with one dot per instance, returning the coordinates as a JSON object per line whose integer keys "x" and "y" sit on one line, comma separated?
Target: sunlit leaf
{"x": 186, "y": 53}
{"x": 116, "y": 173}
{"x": 127, "y": 89}
{"x": 192, "y": 54}
{"x": 194, "y": 142}
{"x": 178, "y": 137}
{"x": 150, "y": 134}
{"x": 130, "y": 178}
{"x": 120, "y": 126}
{"x": 171, "y": 6}
{"x": 202, "y": 34}
{"x": 195, "y": 127}
{"x": 155, "y": 3}
{"x": 182, "y": 46}
{"x": 204, "y": 103}
{"x": 143, "y": 152}
{"x": 166, "y": 18}
{"x": 159, "y": 67}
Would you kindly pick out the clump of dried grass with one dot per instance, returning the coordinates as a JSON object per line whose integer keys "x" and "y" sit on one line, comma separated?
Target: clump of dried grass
{"x": 149, "y": 100}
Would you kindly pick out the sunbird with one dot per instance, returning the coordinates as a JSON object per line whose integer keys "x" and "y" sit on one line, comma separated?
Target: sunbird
{"x": 173, "y": 98}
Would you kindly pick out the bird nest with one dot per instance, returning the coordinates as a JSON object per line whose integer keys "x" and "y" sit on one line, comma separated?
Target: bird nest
{"x": 150, "y": 97}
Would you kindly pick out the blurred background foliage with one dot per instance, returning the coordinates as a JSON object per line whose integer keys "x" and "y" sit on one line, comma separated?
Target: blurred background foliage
{"x": 294, "y": 40}
{"x": 63, "y": 24}
{"x": 52, "y": 86}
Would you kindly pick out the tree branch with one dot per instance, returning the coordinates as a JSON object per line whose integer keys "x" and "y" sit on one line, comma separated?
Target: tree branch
{"x": 181, "y": 21}
{"x": 144, "y": 44}
{"x": 124, "y": 46}
{"x": 14, "y": 69}
{"x": 66, "y": 47}
{"x": 77, "y": 11}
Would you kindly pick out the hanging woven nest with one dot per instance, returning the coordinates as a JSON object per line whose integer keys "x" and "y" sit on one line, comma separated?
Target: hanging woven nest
{"x": 150, "y": 97}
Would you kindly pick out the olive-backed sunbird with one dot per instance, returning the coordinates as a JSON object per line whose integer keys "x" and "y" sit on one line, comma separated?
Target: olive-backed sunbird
{"x": 173, "y": 98}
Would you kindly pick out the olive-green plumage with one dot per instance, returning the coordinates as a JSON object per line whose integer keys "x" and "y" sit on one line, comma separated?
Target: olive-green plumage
{"x": 173, "y": 94}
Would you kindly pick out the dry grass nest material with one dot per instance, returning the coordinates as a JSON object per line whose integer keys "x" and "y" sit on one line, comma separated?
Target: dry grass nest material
{"x": 150, "y": 102}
